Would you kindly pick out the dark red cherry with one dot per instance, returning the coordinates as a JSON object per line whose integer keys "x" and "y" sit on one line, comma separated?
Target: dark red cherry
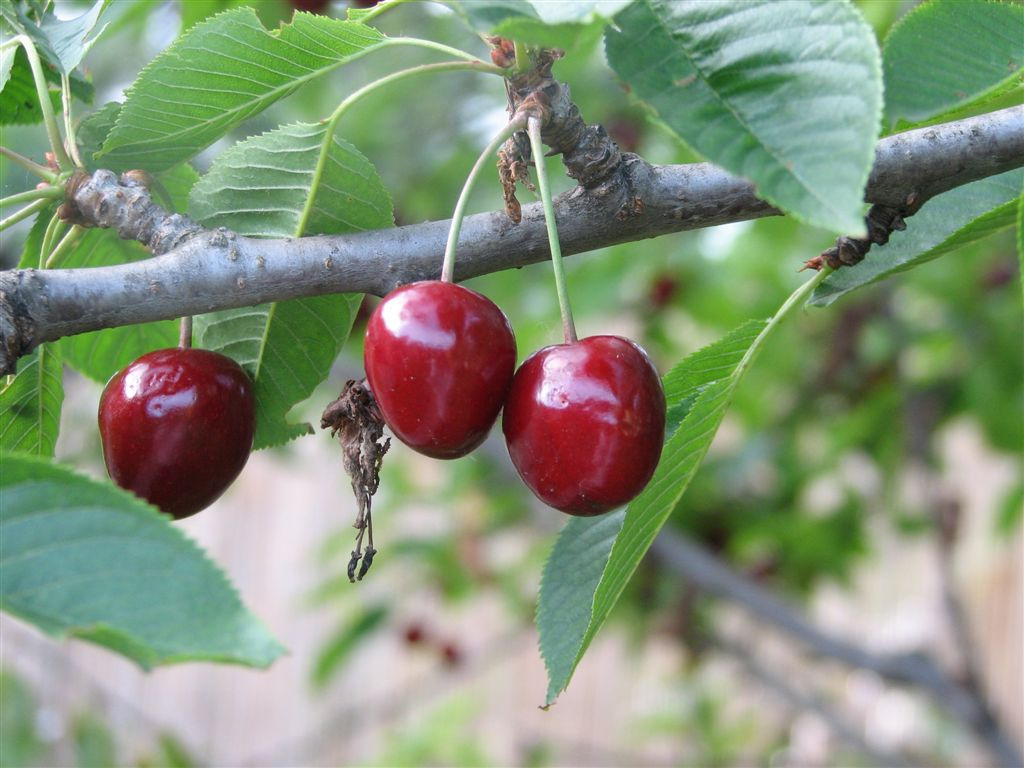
{"x": 177, "y": 427}
{"x": 439, "y": 358}
{"x": 584, "y": 423}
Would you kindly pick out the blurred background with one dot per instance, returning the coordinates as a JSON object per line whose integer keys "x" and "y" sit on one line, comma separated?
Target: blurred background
{"x": 869, "y": 473}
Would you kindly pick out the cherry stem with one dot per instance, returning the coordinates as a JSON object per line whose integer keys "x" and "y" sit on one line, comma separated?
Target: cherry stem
{"x": 185, "y": 337}
{"x": 537, "y": 147}
{"x": 448, "y": 265}
{"x": 355, "y": 96}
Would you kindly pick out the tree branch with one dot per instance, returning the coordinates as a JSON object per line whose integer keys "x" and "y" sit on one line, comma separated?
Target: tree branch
{"x": 203, "y": 271}
{"x": 697, "y": 565}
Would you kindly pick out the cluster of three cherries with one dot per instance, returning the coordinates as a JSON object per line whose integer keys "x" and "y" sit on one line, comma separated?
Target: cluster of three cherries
{"x": 584, "y": 421}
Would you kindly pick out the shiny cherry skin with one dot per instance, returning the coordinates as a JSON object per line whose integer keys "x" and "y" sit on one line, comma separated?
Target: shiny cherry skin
{"x": 177, "y": 427}
{"x": 584, "y": 423}
{"x": 439, "y": 359}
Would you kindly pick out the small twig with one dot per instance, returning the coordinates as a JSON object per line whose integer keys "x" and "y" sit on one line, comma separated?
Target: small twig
{"x": 881, "y": 221}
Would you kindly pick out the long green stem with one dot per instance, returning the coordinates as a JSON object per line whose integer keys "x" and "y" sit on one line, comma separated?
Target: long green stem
{"x": 537, "y": 146}
{"x": 29, "y": 165}
{"x": 380, "y": 8}
{"x": 448, "y": 265}
{"x": 43, "y": 92}
{"x": 351, "y": 99}
{"x": 24, "y": 213}
{"x": 69, "y": 125}
{"x": 442, "y": 48}
{"x": 67, "y": 242}
{"x": 31, "y": 194}
{"x": 54, "y": 229}
{"x": 795, "y": 299}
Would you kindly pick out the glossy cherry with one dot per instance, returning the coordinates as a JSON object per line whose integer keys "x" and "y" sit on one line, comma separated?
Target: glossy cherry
{"x": 177, "y": 427}
{"x": 584, "y": 423}
{"x": 439, "y": 358}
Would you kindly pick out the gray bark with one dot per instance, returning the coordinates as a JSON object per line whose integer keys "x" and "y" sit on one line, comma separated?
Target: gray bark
{"x": 204, "y": 271}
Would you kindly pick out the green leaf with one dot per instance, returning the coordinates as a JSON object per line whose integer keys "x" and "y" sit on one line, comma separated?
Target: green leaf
{"x": 567, "y": 587}
{"x": 218, "y": 74}
{"x": 945, "y": 223}
{"x": 94, "y": 129}
{"x": 85, "y": 559}
{"x": 787, "y": 95}
{"x": 946, "y": 55}
{"x": 6, "y": 55}
{"x": 287, "y": 349}
{"x": 262, "y": 187}
{"x": 594, "y": 558}
{"x": 31, "y": 399}
{"x": 565, "y": 24}
{"x": 344, "y": 641}
{"x": 485, "y": 15}
{"x": 19, "y": 103}
{"x": 30, "y": 403}
{"x": 67, "y": 38}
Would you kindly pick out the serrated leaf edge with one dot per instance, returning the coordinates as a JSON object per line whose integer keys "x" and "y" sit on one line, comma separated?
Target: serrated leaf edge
{"x": 133, "y": 505}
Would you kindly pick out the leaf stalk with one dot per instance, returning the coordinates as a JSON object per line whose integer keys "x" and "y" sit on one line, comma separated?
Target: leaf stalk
{"x": 43, "y": 93}
{"x": 351, "y": 99}
{"x": 29, "y": 195}
{"x": 24, "y": 213}
{"x": 29, "y": 165}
